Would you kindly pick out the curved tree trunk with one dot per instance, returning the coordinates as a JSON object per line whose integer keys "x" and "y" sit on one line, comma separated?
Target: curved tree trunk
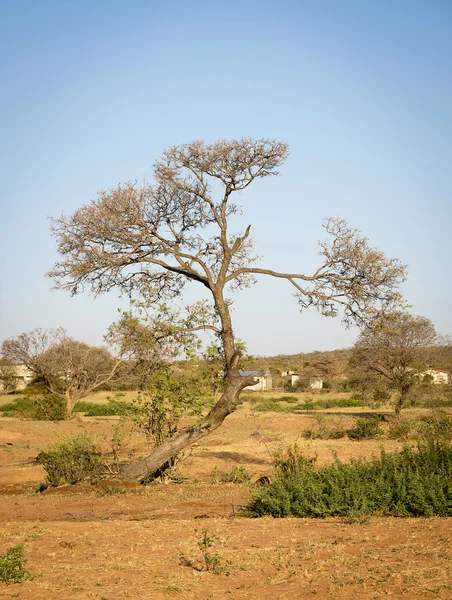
{"x": 141, "y": 469}
{"x": 401, "y": 401}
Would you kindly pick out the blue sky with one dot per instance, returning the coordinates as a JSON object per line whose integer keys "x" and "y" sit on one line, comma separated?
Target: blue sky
{"x": 92, "y": 92}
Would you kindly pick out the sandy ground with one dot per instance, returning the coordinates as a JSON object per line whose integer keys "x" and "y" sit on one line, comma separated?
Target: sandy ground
{"x": 114, "y": 541}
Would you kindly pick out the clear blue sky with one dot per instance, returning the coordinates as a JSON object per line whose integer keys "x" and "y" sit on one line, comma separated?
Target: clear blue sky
{"x": 93, "y": 91}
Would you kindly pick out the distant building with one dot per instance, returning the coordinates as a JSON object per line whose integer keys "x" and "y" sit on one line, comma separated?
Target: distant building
{"x": 438, "y": 377}
{"x": 314, "y": 384}
{"x": 22, "y": 375}
{"x": 263, "y": 381}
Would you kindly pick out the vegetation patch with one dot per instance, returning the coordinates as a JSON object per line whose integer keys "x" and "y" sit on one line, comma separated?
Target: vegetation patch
{"x": 71, "y": 461}
{"x": 112, "y": 408}
{"x": 436, "y": 424}
{"x": 324, "y": 430}
{"x": 339, "y": 403}
{"x": 413, "y": 482}
{"x": 366, "y": 428}
{"x": 294, "y": 404}
{"x": 236, "y": 475}
{"x": 213, "y": 561}
{"x": 12, "y": 566}
{"x": 36, "y": 408}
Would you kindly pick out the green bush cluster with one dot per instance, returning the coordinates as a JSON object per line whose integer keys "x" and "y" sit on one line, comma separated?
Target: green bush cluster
{"x": 323, "y": 432}
{"x": 413, "y": 482}
{"x": 294, "y": 404}
{"x": 366, "y": 428}
{"x": 36, "y": 408}
{"x": 12, "y": 566}
{"x": 112, "y": 408}
{"x": 263, "y": 404}
{"x": 436, "y": 424}
{"x": 339, "y": 403}
{"x": 236, "y": 475}
{"x": 72, "y": 460}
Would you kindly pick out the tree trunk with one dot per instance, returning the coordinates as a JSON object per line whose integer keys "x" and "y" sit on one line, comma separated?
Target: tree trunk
{"x": 400, "y": 402}
{"x": 140, "y": 469}
{"x": 69, "y": 404}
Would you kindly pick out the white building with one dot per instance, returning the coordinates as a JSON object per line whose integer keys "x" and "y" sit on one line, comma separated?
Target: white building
{"x": 314, "y": 384}
{"x": 438, "y": 377}
{"x": 22, "y": 375}
{"x": 263, "y": 380}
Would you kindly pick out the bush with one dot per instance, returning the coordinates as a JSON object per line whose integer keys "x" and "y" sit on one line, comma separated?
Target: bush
{"x": 12, "y": 566}
{"x": 443, "y": 400}
{"x": 413, "y": 482}
{"x": 288, "y": 399}
{"x": 71, "y": 461}
{"x": 367, "y": 428}
{"x": 112, "y": 408}
{"x": 36, "y": 408}
{"x": 263, "y": 404}
{"x": 339, "y": 403}
{"x": 438, "y": 424}
{"x": 237, "y": 475}
{"x": 403, "y": 429}
{"x": 324, "y": 431}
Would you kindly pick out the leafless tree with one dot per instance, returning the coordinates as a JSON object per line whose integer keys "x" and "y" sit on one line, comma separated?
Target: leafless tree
{"x": 395, "y": 349}
{"x": 66, "y": 368}
{"x": 150, "y": 240}
{"x": 8, "y": 376}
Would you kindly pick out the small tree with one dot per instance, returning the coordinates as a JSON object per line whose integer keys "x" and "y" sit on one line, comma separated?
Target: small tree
{"x": 150, "y": 341}
{"x": 9, "y": 376}
{"x": 394, "y": 349}
{"x": 150, "y": 240}
{"x": 65, "y": 368}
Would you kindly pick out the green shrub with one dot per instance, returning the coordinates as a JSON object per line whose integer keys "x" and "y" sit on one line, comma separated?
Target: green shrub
{"x": 413, "y": 482}
{"x": 37, "y": 408}
{"x": 437, "y": 401}
{"x": 366, "y": 428}
{"x": 288, "y": 399}
{"x": 237, "y": 475}
{"x": 214, "y": 562}
{"x": 325, "y": 429}
{"x": 12, "y": 566}
{"x": 112, "y": 408}
{"x": 71, "y": 461}
{"x": 438, "y": 424}
{"x": 323, "y": 432}
{"x": 309, "y": 404}
{"x": 263, "y": 404}
{"x": 403, "y": 429}
{"x": 339, "y": 403}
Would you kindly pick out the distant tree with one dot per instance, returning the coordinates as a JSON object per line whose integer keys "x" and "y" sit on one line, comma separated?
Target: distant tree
{"x": 150, "y": 240}
{"x": 393, "y": 350}
{"x": 64, "y": 368}
{"x": 8, "y": 376}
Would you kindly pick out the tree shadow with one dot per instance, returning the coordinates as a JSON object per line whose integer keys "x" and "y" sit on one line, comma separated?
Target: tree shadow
{"x": 237, "y": 457}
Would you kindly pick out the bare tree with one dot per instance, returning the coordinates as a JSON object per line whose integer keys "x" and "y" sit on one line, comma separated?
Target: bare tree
{"x": 66, "y": 368}
{"x": 395, "y": 349}
{"x": 9, "y": 376}
{"x": 152, "y": 239}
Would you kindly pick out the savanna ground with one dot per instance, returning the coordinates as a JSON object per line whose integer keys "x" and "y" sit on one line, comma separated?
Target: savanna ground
{"x": 111, "y": 541}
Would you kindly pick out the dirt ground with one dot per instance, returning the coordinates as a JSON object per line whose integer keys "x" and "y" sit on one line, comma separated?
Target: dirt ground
{"x": 114, "y": 541}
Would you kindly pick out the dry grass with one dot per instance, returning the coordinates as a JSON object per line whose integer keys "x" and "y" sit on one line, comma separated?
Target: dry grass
{"x": 114, "y": 541}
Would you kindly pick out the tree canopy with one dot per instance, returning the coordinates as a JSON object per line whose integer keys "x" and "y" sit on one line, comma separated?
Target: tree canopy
{"x": 149, "y": 240}
{"x": 395, "y": 349}
{"x": 65, "y": 368}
